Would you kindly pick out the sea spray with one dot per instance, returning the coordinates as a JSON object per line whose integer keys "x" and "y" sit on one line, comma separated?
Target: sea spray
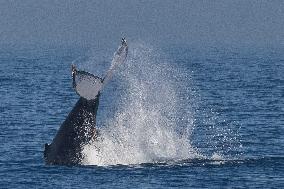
{"x": 147, "y": 126}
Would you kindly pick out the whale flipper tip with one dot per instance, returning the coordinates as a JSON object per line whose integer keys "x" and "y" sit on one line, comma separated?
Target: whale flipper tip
{"x": 123, "y": 41}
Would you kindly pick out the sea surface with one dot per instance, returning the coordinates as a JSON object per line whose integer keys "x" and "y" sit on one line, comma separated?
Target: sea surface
{"x": 178, "y": 116}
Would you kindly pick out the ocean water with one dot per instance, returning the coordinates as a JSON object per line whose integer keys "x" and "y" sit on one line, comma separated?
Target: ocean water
{"x": 176, "y": 116}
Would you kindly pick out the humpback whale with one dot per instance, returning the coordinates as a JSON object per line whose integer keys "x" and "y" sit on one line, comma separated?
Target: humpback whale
{"x": 79, "y": 128}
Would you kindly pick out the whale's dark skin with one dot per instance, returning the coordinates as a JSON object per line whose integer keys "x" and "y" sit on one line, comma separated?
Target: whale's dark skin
{"x": 77, "y": 130}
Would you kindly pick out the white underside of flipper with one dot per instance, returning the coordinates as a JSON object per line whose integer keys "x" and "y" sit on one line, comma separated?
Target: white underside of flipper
{"x": 119, "y": 58}
{"x": 88, "y": 85}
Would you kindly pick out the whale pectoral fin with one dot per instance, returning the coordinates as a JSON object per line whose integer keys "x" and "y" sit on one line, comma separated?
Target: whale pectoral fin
{"x": 86, "y": 84}
{"x": 118, "y": 59}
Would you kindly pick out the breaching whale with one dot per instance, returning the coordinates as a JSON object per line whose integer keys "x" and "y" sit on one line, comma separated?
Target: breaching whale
{"x": 79, "y": 128}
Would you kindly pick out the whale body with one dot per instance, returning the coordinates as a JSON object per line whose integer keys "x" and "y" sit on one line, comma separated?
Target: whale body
{"x": 79, "y": 128}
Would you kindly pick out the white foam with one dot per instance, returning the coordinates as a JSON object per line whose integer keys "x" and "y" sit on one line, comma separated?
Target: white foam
{"x": 146, "y": 127}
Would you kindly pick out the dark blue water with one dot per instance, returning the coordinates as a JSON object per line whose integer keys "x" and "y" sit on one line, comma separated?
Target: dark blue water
{"x": 233, "y": 103}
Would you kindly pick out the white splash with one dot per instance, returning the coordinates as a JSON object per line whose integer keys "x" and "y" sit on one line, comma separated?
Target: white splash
{"x": 145, "y": 127}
